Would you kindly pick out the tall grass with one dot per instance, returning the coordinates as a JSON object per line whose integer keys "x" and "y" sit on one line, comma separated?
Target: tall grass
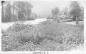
{"x": 48, "y": 36}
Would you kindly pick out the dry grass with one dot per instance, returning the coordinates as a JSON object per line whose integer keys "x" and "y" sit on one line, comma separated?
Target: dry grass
{"x": 48, "y": 36}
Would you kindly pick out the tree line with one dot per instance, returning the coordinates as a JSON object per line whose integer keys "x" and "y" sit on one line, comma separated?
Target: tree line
{"x": 75, "y": 13}
{"x": 17, "y": 11}
{"x": 22, "y": 10}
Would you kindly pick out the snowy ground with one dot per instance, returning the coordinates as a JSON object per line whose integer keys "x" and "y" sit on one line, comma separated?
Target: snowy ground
{"x": 5, "y": 26}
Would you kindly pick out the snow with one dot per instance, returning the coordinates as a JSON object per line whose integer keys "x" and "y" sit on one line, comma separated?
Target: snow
{"x": 5, "y": 26}
{"x": 73, "y": 23}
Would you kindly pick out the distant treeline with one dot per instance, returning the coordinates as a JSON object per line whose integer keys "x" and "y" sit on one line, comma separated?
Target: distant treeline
{"x": 17, "y": 11}
{"x": 22, "y": 11}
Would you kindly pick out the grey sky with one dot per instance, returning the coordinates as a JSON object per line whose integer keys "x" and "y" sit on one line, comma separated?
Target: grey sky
{"x": 44, "y": 7}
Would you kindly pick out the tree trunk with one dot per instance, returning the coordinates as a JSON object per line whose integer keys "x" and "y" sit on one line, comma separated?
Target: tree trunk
{"x": 77, "y": 22}
{"x": 2, "y": 13}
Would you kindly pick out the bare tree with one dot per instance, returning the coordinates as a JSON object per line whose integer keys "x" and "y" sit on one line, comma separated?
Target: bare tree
{"x": 2, "y": 2}
{"x": 6, "y": 11}
{"x": 76, "y": 11}
{"x": 55, "y": 13}
{"x": 23, "y": 9}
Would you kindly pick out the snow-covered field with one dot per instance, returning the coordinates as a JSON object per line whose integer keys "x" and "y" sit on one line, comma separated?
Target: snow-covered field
{"x": 5, "y": 26}
{"x": 37, "y": 21}
{"x": 73, "y": 23}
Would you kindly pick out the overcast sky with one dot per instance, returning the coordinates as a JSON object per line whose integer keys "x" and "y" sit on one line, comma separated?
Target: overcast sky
{"x": 44, "y": 7}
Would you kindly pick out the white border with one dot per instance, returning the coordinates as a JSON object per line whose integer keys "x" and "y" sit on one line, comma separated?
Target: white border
{"x": 51, "y": 52}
